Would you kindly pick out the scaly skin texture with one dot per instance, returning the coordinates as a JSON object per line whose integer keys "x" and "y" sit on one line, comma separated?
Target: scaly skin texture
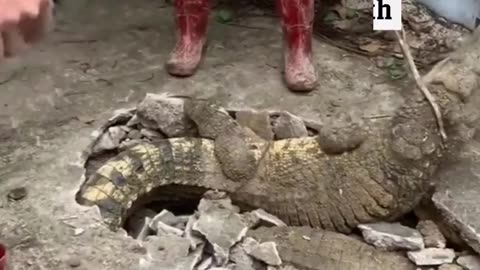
{"x": 312, "y": 249}
{"x": 381, "y": 179}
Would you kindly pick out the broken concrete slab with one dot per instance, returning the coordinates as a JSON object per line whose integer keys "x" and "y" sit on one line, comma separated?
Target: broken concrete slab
{"x": 266, "y": 252}
{"x": 260, "y": 217}
{"x": 220, "y": 226}
{"x": 450, "y": 266}
{"x": 432, "y": 237}
{"x": 193, "y": 237}
{"x": 469, "y": 262}
{"x": 257, "y": 121}
{"x": 391, "y": 236}
{"x": 240, "y": 257}
{"x": 431, "y": 256}
{"x": 455, "y": 202}
{"x": 287, "y": 125}
{"x": 110, "y": 139}
{"x": 164, "y": 113}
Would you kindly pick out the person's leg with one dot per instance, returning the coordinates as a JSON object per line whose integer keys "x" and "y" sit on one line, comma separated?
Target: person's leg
{"x": 297, "y": 25}
{"x": 192, "y": 21}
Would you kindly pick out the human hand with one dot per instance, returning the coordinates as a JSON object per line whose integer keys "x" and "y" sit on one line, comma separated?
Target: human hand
{"x": 23, "y": 23}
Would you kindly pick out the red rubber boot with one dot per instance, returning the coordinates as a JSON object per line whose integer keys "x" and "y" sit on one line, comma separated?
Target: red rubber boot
{"x": 192, "y": 22}
{"x": 297, "y": 24}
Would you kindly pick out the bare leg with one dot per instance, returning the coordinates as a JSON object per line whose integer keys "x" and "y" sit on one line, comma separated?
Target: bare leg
{"x": 192, "y": 22}
{"x": 297, "y": 24}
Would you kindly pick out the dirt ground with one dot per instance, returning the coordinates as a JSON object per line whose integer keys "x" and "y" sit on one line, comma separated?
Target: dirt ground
{"x": 106, "y": 55}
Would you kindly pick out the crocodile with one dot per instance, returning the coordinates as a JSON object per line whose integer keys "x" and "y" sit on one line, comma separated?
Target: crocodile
{"x": 309, "y": 249}
{"x": 311, "y": 181}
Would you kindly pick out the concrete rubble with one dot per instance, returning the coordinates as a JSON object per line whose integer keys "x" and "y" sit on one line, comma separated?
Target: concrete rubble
{"x": 469, "y": 262}
{"x": 431, "y": 256}
{"x": 392, "y": 236}
{"x": 450, "y": 266}
{"x": 288, "y": 125}
{"x": 211, "y": 238}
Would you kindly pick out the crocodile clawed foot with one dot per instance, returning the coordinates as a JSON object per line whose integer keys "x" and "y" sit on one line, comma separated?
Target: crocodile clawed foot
{"x": 341, "y": 136}
{"x": 232, "y": 144}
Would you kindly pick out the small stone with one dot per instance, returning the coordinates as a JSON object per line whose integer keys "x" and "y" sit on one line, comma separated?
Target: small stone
{"x": 469, "y": 262}
{"x": 165, "y": 113}
{"x": 266, "y": 252}
{"x": 133, "y": 121}
{"x": 259, "y": 122}
{"x": 260, "y": 217}
{"x": 78, "y": 231}
{"x": 134, "y": 134}
{"x": 205, "y": 264}
{"x": 391, "y": 236}
{"x": 450, "y": 266}
{"x": 74, "y": 262}
{"x": 432, "y": 237}
{"x": 150, "y": 134}
{"x": 17, "y": 194}
{"x": 431, "y": 256}
{"x": 163, "y": 229}
{"x": 288, "y": 125}
{"x": 110, "y": 139}
{"x": 166, "y": 217}
{"x": 127, "y": 144}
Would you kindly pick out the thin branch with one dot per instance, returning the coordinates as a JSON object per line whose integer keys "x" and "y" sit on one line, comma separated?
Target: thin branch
{"x": 402, "y": 40}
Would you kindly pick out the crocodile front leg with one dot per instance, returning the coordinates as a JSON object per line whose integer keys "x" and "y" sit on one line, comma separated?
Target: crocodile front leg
{"x": 192, "y": 23}
{"x": 297, "y": 24}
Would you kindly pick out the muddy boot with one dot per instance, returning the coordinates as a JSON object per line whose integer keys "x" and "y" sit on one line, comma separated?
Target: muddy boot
{"x": 192, "y": 22}
{"x": 297, "y": 25}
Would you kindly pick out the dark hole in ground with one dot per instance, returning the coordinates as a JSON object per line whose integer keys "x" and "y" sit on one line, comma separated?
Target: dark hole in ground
{"x": 180, "y": 200}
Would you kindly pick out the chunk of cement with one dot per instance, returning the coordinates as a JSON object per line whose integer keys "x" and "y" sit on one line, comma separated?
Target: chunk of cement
{"x": 205, "y": 264}
{"x": 259, "y": 122}
{"x": 288, "y": 125}
{"x": 165, "y": 113}
{"x": 166, "y": 217}
{"x": 431, "y": 256}
{"x": 134, "y": 134}
{"x": 242, "y": 260}
{"x": 151, "y": 134}
{"x": 432, "y": 237}
{"x": 222, "y": 228}
{"x": 164, "y": 229}
{"x": 391, "y": 236}
{"x": 260, "y": 217}
{"x": 450, "y": 266}
{"x": 266, "y": 252}
{"x": 110, "y": 139}
{"x": 469, "y": 262}
{"x": 190, "y": 235}
{"x": 457, "y": 197}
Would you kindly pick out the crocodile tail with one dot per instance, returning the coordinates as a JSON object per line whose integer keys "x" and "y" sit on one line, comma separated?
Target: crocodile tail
{"x": 144, "y": 169}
